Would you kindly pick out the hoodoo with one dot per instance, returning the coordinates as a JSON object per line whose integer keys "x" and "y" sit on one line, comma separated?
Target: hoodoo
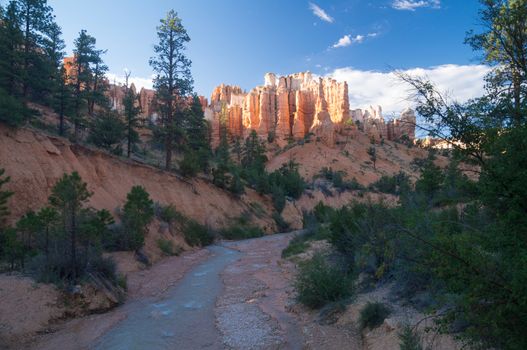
{"x": 293, "y": 106}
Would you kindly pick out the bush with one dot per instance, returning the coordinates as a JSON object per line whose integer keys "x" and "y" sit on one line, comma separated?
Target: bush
{"x": 297, "y": 245}
{"x": 396, "y": 184}
{"x": 138, "y": 212}
{"x": 168, "y": 213}
{"x": 167, "y": 247}
{"x": 106, "y": 267}
{"x": 281, "y": 224}
{"x": 409, "y": 340}
{"x": 190, "y": 165}
{"x": 373, "y": 315}
{"x": 196, "y": 234}
{"x": 238, "y": 231}
{"x": 318, "y": 283}
{"x": 278, "y": 197}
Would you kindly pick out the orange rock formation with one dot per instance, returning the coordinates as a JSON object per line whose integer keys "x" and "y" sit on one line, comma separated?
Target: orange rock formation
{"x": 292, "y": 106}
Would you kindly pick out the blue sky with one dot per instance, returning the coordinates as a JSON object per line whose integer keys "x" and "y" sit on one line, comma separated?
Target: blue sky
{"x": 238, "y": 41}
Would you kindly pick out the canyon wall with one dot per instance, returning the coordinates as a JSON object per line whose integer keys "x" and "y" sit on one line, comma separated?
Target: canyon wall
{"x": 293, "y": 106}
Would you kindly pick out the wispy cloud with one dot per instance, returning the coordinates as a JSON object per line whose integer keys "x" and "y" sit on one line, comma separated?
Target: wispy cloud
{"x": 348, "y": 40}
{"x": 412, "y": 5}
{"x": 366, "y": 88}
{"x": 320, "y": 13}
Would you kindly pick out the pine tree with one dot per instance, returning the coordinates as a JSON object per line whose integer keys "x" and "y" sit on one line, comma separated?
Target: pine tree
{"x": 4, "y": 197}
{"x": 68, "y": 196}
{"x": 36, "y": 20}
{"x": 97, "y": 87}
{"x": 197, "y": 139}
{"x": 60, "y": 94}
{"x": 372, "y": 152}
{"x": 173, "y": 81}
{"x": 11, "y": 40}
{"x": 47, "y": 217}
{"x": 223, "y": 163}
{"x": 131, "y": 111}
{"x": 138, "y": 212}
{"x": 12, "y": 110}
{"x": 85, "y": 53}
{"x": 108, "y": 131}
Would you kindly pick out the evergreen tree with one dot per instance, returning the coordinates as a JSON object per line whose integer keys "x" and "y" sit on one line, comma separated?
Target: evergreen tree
{"x": 372, "y": 152}
{"x": 36, "y": 20}
{"x": 223, "y": 163}
{"x": 47, "y": 217}
{"x": 59, "y": 91}
{"x": 196, "y": 130}
{"x": 173, "y": 81}
{"x": 253, "y": 153}
{"x": 137, "y": 214}
{"x": 11, "y": 40}
{"x": 68, "y": 196}
{"x": 108, "y": 131}
{"x": 504, "y": 45}
{"x": 131, "y": 112}
{"x": 85, "y": 55}
{"x": 4, "y": 197}
{"x": 97, "y": 87}
{"x": 12, "y": 111}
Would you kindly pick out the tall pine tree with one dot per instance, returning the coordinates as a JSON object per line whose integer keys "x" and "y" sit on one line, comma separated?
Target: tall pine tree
{"x": 173, "y": 81}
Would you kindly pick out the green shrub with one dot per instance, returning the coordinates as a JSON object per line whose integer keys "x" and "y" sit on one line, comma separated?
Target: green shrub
{"x": 319, "y": 283}
{"x": 190, "y": 165}
{"x": 409, "y": 340}
{"x": 168, "y": 213}
{"x": 278, "y": 197}
{"x": 138, "y": 212}
{"x": 297, "y": 245}
{"x": 196, "y": 234}
{"x": 396, "y": 184}
{"x": 373, "y": 315}
{"x": 281, "y": 224}
{"x": 167, "y": 247}
{"x": 122, "y": 281}
{"x": 238, "y": 231}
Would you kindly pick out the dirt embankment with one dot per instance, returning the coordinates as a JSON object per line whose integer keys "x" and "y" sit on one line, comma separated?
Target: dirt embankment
{"x": 36, "y": 161}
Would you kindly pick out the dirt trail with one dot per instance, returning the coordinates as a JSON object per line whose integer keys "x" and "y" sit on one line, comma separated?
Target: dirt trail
{"x": 251, "y": 313}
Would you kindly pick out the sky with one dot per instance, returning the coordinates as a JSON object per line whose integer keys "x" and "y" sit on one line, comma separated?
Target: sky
{"x": 238, "y": 41}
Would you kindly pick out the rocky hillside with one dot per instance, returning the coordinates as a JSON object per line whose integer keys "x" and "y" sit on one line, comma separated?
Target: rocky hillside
{"x": 35, "y": 161}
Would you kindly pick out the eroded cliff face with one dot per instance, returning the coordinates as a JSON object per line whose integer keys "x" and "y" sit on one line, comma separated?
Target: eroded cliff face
{"x": 35, "y": 162}
{"x": 293, "y": 106}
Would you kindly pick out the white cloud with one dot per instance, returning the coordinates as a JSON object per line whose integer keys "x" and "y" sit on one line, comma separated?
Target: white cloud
{"x": 343, "y": 42}
{"x": 347, "y": 40}
{"x": 412, "y": 5}
{"x": 139, "y": 82}
{"x": 320, "y": 13}
{"x": 366, "y": 88}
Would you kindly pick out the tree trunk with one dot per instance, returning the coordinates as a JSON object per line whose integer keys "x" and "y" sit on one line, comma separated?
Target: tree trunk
{"x": 26, "y": 53}
{"x": 516, "y": 82}
{"x": 168, "y": 149}
{"x": 129, "y": 138}
{"x": 73, "y": 234}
